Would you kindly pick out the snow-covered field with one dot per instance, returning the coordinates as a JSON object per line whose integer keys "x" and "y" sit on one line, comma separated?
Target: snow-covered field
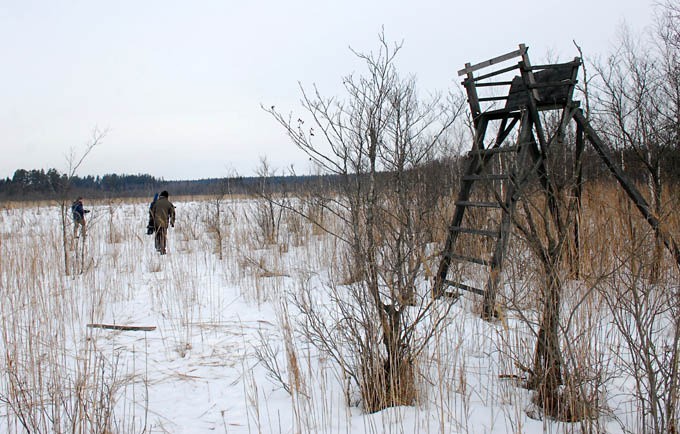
{"x": 224, "y": 330}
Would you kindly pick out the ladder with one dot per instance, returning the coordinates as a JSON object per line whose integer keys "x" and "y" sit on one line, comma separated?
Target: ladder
{"x": 496, "y": 172}
{"x": 485, "y": 205}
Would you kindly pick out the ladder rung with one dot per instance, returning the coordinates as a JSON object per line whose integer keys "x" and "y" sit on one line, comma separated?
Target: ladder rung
{"x": 470, "y": 259}
{"x": 487, "y": 177}
{"x": 487, "y": 233}
{"x": 493, "y": 83}
{"x": 464, "y": 287}
{"x": 492, "y": 98}
{"x": 479, "y": 204}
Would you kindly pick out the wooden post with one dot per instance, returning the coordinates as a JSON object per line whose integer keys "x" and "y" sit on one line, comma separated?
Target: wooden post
{"x": 578, "y": 189}
{"x": 496, "y": 265}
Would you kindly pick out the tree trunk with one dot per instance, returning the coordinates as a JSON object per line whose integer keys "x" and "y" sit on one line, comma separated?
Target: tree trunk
{"x": 547, "y": 373}
{"x": 655, "y": 271}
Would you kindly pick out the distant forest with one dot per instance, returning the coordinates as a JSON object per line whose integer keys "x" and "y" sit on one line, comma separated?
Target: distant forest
{"x": 442, "y": 175}
{"x": 38, "y": 184}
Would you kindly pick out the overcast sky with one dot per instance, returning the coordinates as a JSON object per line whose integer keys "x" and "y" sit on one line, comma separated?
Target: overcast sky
{"x": 178, "y": 84}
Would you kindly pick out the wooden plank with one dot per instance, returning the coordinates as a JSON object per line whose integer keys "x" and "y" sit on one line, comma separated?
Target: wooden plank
{"x": 575, "y": 62}
{"x": 464, "y": 287}
{"x": 503, "y": 113}
{"x": 495, "y": 60}
{"x": 493, "y": 98}
{"x": 494, "y": 83}
{"x": 122, "y": 327}
{"x": 497, "y": 72}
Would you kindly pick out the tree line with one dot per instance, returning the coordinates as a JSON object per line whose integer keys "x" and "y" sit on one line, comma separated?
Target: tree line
{"x": 38, "y": 184}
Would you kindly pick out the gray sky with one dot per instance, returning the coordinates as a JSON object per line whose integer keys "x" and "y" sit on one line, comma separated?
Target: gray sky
{"x": 178, "y": 84}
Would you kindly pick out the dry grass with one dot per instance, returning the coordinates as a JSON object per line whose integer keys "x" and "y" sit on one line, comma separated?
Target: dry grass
{"x": 52, "y": 367}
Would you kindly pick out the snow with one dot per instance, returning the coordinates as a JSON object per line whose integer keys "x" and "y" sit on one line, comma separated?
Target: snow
{"x": 198, "y": 371}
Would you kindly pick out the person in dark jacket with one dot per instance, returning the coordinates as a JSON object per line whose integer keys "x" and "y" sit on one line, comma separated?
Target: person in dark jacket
{"x": 78, "y": 213}
{"x": 163, "y": 215}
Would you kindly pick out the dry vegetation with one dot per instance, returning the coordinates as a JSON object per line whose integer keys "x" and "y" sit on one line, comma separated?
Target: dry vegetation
{"x": 326, "y": 294}
{"x": 58, "y": 375}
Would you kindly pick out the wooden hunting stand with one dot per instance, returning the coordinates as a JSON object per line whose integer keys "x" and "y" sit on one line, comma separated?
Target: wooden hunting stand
{"x": 507, "y": 98}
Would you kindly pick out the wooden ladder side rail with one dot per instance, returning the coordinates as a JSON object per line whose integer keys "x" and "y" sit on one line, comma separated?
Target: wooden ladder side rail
{"x": 475, "y": 165}
{"x": 627, "y": 185}
{"x": 511, "y": 196}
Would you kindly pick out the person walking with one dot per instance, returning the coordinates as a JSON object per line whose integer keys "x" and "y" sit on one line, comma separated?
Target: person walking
{"x": 163, "y": 212}
{"x": 78, "y": 213}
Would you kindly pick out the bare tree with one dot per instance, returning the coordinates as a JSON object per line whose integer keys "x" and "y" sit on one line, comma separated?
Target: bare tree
{"x": 266, "y": 214}
{"x": 638, "y": 100}
{"x": 547, "y": 234}
{"x": 215, "y": 220}
{"x": 647, "y": 318}
{"x": 374, "y": 142}
{"x": 74, "y": 161}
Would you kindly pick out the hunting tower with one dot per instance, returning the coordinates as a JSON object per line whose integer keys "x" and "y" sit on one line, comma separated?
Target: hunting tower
{"x": 507, "y": 103}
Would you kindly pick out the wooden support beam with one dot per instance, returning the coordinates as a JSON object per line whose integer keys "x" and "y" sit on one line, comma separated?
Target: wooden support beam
{"x": 495, "y": 73}
{"x": 464, "y": 287}
{"x": 628, "y": 186}
{"x": 575, "y": 62}
{"x": 543, "y": 170}
{"x": 577, "y": 192}
{"x": 494, "y": 115}
{"x": 494, "y": 83}
{"x": 492, "y": 98}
